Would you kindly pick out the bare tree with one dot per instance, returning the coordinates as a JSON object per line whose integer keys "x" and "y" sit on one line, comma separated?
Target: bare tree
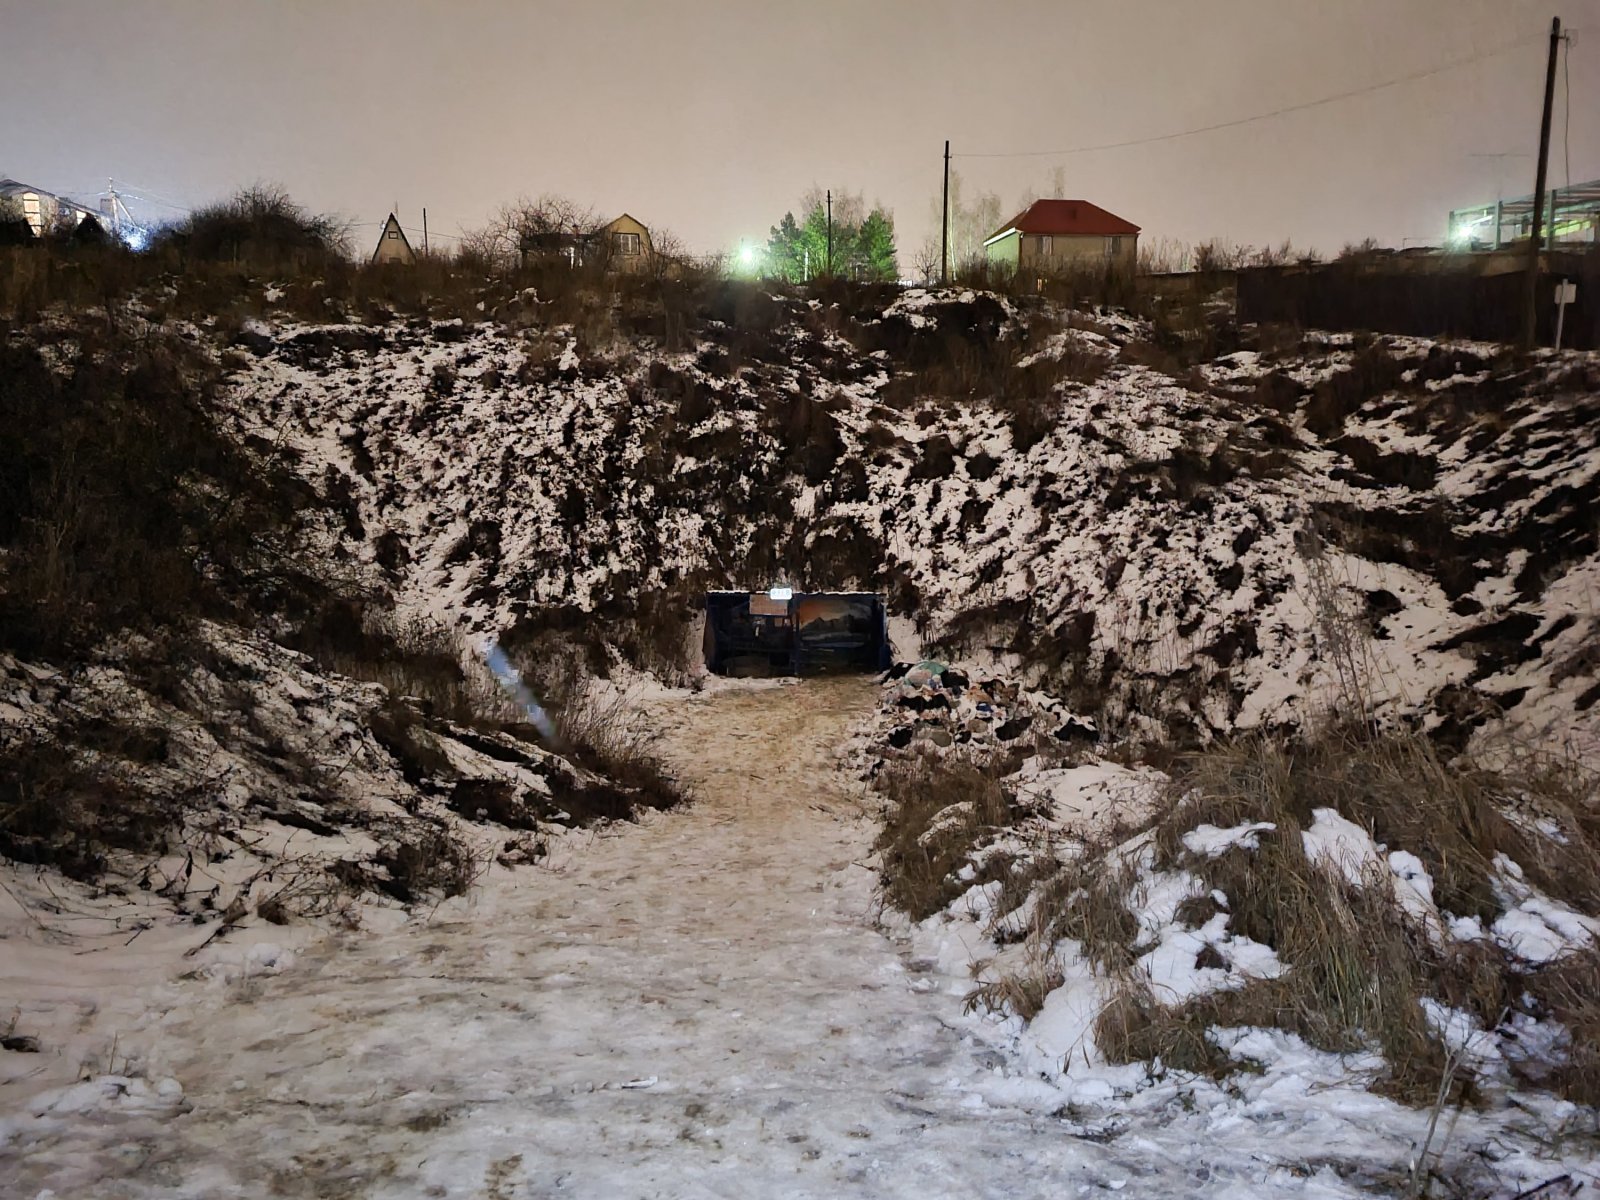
{"x": 668, "y": 255}
{"x": 972, "y": 220}
{"x": 849, "y": 208}
{"x": 550, "y": 224}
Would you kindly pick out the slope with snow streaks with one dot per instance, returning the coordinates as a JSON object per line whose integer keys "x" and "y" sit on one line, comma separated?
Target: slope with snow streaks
{"x": 1233, "y": 548}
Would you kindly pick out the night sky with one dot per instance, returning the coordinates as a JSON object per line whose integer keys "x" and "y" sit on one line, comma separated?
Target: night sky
{"x": 711, "y": 118}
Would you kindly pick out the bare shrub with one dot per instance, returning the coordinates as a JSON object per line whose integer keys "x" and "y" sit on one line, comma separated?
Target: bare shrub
{"x": 427, "y": 861}
{"x": 1164, "y": 256}
{"x": 1366, "y": 248}
{"x": 259, "y": 226}
{"x": 1219, "y": 254}
{"x": 122, "y": 502}
{"x": 550, "y": 227}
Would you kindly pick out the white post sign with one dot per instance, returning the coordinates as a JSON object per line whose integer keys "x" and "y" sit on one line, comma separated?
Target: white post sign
{"x": 1566, "y": 293}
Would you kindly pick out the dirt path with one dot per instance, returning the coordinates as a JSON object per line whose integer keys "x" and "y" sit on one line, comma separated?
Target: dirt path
{"x": 701, "y": 1006}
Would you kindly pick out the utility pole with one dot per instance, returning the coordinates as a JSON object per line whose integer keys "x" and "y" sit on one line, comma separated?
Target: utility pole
{"x": 830, "y": 233}
{"x": 944, "y": 222}
{"x": 1530, "y": 318}
{"x": 424, "y": 231}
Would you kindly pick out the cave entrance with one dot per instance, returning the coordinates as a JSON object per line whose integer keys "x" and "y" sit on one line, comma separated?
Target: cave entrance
{"x": 784, "y": 632}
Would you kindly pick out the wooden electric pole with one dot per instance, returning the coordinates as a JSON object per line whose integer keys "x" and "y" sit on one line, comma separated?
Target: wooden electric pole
{"x": 944, "y": 222}
{"x": 1530, "y": 318}
{"x": 830, "y": 233}
{"x": 424, "y": 232}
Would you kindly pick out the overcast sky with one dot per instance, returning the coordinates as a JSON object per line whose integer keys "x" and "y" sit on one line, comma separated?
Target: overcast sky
{"x": 711, "y": 117}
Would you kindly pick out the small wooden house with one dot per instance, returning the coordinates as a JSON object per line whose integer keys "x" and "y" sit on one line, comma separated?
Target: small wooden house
{"x": 626, "y": 243}
{"x": 620, "y": 245}
{"x": 392, "y": 244}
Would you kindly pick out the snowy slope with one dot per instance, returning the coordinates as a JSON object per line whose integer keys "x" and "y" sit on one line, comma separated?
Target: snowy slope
{"x": 1403, "y": 525}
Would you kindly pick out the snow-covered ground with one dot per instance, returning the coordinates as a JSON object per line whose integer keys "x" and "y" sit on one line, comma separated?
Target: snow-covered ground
{"x": 1184, "y": 554}
{"x": 701, "y": 1005}
{"x": 710, "y": 1003}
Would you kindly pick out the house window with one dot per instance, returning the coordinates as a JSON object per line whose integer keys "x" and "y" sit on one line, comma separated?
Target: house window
{"x": 627, "y": 243}
{"x": 394, "y": 235}
{"x": 1044, "y": 247}
{"x": 1113, "y": 247}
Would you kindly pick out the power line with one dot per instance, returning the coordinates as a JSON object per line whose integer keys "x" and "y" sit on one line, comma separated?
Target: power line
{"x": 139, "y": 193}
{"x": 1266, "y": 116}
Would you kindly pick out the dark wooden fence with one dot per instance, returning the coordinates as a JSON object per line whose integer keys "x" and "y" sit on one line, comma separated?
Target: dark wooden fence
{"x": 1424, "y": 299}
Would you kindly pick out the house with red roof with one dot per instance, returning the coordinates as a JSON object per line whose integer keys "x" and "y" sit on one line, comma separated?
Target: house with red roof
{"x": 1053, "y": 236}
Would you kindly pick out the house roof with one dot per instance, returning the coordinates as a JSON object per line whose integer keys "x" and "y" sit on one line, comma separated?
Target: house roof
{"x": 1065, "y": 218}
{"x": 615, "y": 221}
{"x": 13, "y": 187}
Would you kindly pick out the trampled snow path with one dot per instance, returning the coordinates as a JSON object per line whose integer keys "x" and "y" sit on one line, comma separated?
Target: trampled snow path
{"x": 699, "y": 1006}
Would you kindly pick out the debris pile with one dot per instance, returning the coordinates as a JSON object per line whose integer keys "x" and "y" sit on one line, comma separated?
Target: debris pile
{"x": 935, "y": 704}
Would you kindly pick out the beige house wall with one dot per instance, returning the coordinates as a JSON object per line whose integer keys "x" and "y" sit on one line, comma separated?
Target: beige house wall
{"x": 1077, "y": 252}
{"x": 40, "y": 210}
{"x": 614, "y": 235}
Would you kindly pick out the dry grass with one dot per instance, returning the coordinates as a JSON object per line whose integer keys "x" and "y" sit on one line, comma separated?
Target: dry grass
{"x": 1356, "y": 972}
{"x": 1358, "y": 967}
{"x": 939, "y": 810}
{"x": 59, "y": 806}
{"x": 123, "y": 504}
{"x": 1020, "y": 992}
{"x": 415, "y": 658}
{"x": 598, "y": 731}
{"x": 974, "y": 357}
{"x": 654, "y": 635}
{"x": 1087, "y": 902}
{"x": 1456, "y": 818}
{"x": 1568, "y": 991}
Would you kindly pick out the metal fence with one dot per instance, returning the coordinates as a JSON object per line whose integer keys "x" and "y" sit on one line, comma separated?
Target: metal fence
{"x": 1426, "y": 299}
